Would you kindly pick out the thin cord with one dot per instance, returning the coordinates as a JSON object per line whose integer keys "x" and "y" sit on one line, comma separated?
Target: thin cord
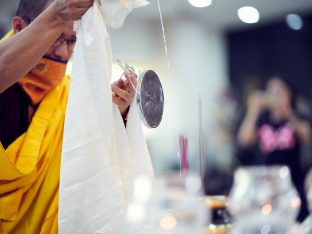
{"x": 129, "y": 70}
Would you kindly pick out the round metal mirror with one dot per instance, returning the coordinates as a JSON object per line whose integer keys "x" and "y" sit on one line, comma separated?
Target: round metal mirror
{"x": 150, "y": 99}
{"x": 149, "y": 96}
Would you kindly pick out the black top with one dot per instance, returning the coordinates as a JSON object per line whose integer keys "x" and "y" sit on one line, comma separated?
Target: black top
{"x": 278, "y": 143}
{"x": 13, "y": 114}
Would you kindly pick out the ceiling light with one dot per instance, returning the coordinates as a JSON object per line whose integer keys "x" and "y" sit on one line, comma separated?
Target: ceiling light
{"x": 294, "y": 21}
{"x": 200, "y": 3}
{"x": 248, "y": 14}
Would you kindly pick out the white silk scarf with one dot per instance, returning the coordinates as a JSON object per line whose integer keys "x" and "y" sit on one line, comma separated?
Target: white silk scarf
{"x": 100, "y": 156}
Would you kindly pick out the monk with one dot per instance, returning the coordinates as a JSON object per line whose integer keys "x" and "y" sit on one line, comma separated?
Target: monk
{"x": 34, "y": 91}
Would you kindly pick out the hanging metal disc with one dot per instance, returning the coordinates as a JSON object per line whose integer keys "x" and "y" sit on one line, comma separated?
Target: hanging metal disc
{"x": 150, "y": 99}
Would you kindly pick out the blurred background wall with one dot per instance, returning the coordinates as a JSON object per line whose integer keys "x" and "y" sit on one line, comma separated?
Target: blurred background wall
{"x": 213, "y": 60}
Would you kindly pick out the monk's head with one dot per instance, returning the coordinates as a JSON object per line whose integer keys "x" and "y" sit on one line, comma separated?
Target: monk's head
{"x": 50, "y": 70}
{"x": 28, "y": 11}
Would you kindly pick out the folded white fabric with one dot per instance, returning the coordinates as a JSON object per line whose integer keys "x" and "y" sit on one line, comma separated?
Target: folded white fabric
{"x": 100, "y": 157}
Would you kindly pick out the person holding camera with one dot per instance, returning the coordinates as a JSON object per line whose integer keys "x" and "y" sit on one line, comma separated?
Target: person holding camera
{"x": 272, "y": 132}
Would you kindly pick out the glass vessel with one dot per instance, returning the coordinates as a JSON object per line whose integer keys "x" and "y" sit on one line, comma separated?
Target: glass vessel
{"x": 306, "y": 225}
{"x": 220, "y": 219}
{"x": 263, "y": 200}
{"x": 175, "y": 206}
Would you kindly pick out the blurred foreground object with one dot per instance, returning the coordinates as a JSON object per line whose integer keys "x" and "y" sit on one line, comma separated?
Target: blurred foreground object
{"x": 220, "y": 217}
{"x": 172, "y": 204}
{"x": 307, "y": 223}
{"x": 263, "y": 200}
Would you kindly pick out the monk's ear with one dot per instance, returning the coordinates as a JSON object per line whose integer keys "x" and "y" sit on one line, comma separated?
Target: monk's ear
{"x": 18, "y": 24}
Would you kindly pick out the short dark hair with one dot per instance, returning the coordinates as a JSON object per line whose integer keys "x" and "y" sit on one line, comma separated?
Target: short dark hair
{"x": 28, "y": 10}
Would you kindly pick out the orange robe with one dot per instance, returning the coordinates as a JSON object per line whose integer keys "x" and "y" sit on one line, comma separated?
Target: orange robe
{"x": 30, "y": 170}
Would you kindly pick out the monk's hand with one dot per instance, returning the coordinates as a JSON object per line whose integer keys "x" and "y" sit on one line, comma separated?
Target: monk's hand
{"x": 69, "y": 10}
{"x": 124, "y": 92}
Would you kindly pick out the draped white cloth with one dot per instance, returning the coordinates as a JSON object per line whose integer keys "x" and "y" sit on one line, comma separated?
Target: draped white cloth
{"x": 100, "y": 156}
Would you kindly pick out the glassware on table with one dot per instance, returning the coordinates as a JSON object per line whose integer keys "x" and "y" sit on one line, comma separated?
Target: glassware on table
{"x": 263, "y": 200}
{"x": 175, "y": 206}
{"x": 306, "y": 225}
{"x": 220, "y": 218}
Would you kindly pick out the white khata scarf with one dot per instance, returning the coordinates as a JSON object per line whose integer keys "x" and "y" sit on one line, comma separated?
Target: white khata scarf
{"x": 100, "y": 157}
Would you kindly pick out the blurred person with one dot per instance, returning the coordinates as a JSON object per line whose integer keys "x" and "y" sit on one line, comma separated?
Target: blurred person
{"x": 272, "y": 132}
{"x": 34, "y": 91}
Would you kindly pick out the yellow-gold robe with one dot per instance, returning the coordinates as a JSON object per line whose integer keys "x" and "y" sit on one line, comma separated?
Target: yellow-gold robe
{"x": 30, "y": 170}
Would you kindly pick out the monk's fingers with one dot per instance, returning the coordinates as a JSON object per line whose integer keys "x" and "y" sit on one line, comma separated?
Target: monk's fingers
{"x": 122, "y": 94}
{"x": 122, "y": 105}
{"x": 72, "y": 9}
{"x": 118, "y": 101}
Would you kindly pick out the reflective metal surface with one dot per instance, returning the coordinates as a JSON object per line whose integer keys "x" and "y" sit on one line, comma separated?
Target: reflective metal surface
{"x": 150, "y": 99}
